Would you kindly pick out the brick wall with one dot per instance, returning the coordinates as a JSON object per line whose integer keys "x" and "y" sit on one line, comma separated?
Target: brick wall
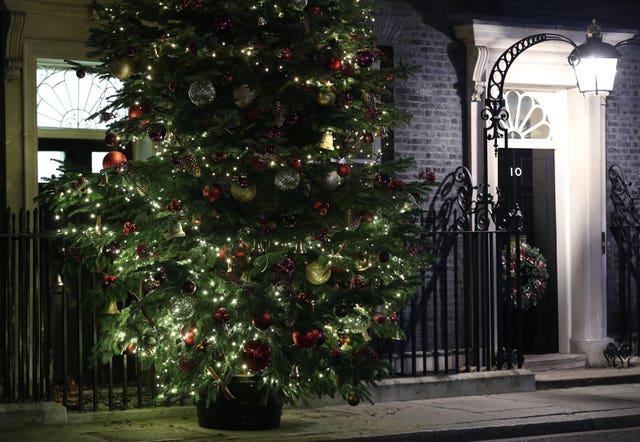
{"x": 421, "y": 35}
{"x": 432, "y": 95}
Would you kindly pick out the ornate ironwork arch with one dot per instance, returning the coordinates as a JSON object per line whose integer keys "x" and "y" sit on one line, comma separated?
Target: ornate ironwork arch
{"x": 495, "y": 110}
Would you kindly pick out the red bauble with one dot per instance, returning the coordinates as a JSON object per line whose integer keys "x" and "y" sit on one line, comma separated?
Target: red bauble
{"x": 379, "y": 318}
{"x": 222, "y": 315}
{"x": 368, "y": 138}
{"x": 110, "y": 139}
{"x": 262, "y": 321}
{"x": 157, "y": 132}
{"x": 188, "y": 334}
{"x": 335, "y": 64}
{"x": 113, "y": 158}
{"x": 256, "y": 354}
{"x": 139, "y": 108}
{"x": 343, "y": 170}
{"x": 306, "y": 340}
{"x": 131, "y": 348}
{"x": 80, "y": 73}
{"x": 213, "y": 192}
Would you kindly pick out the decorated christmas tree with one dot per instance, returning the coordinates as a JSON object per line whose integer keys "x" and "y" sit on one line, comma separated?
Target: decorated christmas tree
{"x": 264, "y": 238}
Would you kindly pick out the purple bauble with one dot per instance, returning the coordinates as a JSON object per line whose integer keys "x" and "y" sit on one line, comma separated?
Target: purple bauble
{"x": 157, "y": 132}
{"x": 223, "y": 24}
{"x": 364, "y": 58}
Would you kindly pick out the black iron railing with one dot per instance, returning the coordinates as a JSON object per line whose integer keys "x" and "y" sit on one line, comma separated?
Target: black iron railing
{"x": 458, "y": 322}
{"x": 48, "y": 332}
{"x": 624, "y": 306}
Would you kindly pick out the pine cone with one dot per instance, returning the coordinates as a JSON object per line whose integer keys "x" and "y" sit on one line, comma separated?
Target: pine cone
{"x": 191, "y": 165}
{"x": 368, "y": 99}
{"x": 278, "y": 113}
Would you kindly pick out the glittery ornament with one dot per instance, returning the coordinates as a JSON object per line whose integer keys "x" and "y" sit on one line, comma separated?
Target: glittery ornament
{"x": 202, "y": 92}
{"x": 287, "y": 179}
{"x": 149, "y": 345}
{"x": 317, "y": 273}
{"x": 191, "y": 165}
{"x": 243, "y": 96}
{"x": 278, "y": 113}
{"x": 181, "y": 307}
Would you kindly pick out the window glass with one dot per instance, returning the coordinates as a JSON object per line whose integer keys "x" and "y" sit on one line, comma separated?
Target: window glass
{"x": 65, "y": 101}
{"x": 48, "y": 163}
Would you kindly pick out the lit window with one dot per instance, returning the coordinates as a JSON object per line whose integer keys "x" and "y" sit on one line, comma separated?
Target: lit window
{"x": 66, "y": 102}
{"x": 48, "y": 164}
{"x": 527, "y": 118}
{"x": 96, "y": 161}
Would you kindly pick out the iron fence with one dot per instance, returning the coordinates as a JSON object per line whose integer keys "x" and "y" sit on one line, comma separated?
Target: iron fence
{"x": 624, "y": 305}
{"x": 456, "y": 323}
{"x": 48, "y": 332}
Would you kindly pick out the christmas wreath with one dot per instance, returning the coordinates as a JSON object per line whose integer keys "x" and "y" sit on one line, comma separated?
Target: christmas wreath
{"x": 533, "y": 275}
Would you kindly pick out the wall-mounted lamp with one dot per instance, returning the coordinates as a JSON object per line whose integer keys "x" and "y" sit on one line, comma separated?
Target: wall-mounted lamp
{"x": 595, "y": 62}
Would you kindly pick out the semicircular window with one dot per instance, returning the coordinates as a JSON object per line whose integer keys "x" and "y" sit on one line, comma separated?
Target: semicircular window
{"x": 65, "y": 101}
{"x": 527, "y": 118}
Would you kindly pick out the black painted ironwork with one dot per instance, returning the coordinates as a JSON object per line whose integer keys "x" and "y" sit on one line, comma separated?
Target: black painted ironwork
{"x": 624, "y": 226}
{"x": 613, "y": 354}
{"x": 47, "y": 331}
{"x": 460, "y": 321}
{"x": 495, "y": 110}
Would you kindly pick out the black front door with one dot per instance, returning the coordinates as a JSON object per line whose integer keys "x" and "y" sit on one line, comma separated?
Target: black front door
{"x": 531, "y": 180}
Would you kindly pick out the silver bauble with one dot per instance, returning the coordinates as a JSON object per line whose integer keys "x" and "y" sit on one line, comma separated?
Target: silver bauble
{"x": 182, "y": 307}
{"x": 202, "y": 92}
{"x": 243, "y": 95}
{"x": 287, "y": 179}
{"x": 331, "y": 180}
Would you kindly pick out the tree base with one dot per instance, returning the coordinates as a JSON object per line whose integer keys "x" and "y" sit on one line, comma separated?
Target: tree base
{"x": 251, "y": 409}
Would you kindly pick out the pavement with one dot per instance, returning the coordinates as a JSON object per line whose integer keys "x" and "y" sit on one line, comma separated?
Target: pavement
{"x": 564, "y": 402}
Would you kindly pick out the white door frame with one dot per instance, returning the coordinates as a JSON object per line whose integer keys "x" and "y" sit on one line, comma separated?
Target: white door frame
{"x": 580, "y": 168}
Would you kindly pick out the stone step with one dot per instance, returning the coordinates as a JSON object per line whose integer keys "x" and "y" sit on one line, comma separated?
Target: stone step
{"x": 554, "y": 361}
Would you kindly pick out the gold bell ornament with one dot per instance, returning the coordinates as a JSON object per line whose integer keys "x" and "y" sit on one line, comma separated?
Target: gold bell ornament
{"x": 175, "y": 231}
{"x": 112, "y": 308}
{"x": 326, "y": 142}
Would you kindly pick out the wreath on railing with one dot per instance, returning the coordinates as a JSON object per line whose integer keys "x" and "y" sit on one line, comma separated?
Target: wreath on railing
{"x": 533, "y": 275}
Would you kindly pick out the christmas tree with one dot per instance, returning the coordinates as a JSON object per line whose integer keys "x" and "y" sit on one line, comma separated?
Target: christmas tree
{"x": 264, "y": 236}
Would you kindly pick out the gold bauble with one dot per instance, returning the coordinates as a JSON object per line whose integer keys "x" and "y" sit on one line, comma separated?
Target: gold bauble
{"x": 243, "y": 194}
{"x": 122, "y": 67}
{"x": 317, "y": 273}
{"x": 325, "y": 98}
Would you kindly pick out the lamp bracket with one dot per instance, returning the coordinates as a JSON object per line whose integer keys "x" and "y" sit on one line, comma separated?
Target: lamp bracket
{"x": 495, "y": 110}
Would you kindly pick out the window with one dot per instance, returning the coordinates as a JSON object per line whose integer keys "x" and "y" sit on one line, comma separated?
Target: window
{"x": 65, "y": 104}
{"x": 66, "y": 101}
{"x": 527, "y": 118}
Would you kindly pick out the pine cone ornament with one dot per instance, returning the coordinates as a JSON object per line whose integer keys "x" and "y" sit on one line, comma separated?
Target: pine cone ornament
{"x": 368, "y": 98}
{"x": 191, "y": 165}
{"x": 278, "y": 113}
